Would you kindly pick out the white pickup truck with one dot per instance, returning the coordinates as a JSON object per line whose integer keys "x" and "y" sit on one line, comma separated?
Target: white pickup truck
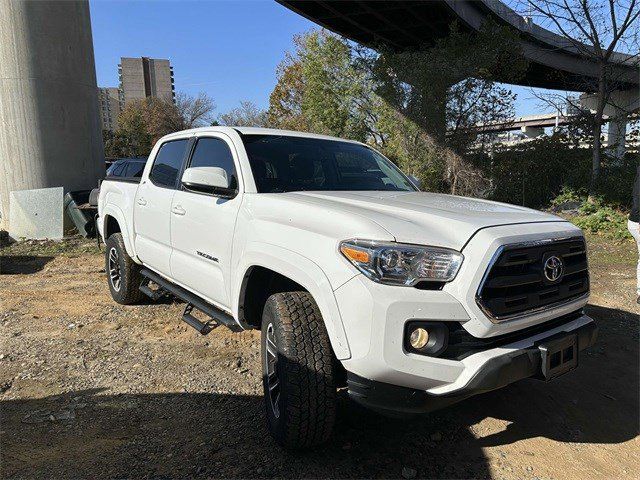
{"x": 358, "y": 280}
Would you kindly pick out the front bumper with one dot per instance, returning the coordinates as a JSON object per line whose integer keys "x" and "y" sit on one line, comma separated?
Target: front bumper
{"x": 375, "y": 317}
{"x": 499, "y": 367}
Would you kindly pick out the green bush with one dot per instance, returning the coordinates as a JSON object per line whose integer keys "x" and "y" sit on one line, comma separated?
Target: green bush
{"x": 594, "y": 215}
{"x": 568, "y": 195}
{"x": 603, "y": 220}
{"x": 533, "y": 173}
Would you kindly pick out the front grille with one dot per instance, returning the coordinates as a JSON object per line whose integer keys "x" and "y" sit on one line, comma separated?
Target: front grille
{"x": 516, "y": 284}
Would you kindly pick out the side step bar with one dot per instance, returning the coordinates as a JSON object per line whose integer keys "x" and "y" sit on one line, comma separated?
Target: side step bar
{"x": 202, "y": 328}
{"x": 193, "y": 301}
{"x": 149, "y": 292}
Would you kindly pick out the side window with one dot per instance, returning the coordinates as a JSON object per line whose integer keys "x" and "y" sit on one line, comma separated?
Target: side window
{"x": 214, "y": 152}
{"x": 134, "y": 169}
{"x": 116, "y": 170}
{"x": 167, "y": 164}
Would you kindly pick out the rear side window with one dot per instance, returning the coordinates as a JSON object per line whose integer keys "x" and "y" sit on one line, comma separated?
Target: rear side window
{"x": 116, "y": 170}
{"x": 168, "y": 162}
{"x": 214, "y": 152}
{"x": 134, "y": 169}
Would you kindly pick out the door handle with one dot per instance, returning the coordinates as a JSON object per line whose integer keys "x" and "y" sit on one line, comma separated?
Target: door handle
{"x": 178, "y": 210}
{"x": 142, "y": 201}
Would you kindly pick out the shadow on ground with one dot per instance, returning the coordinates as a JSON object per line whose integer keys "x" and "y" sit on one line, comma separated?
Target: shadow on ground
{"x": 94, "y": 434}
{"x": 25, "y": 264}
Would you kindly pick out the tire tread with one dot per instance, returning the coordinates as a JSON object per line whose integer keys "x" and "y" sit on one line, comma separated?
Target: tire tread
{"x": 309, "y": 377}
{"x": 129, "y": 293}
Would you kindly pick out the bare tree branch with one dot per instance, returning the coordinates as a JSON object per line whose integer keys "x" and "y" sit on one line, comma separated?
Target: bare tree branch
{"x": 597, "y": 30}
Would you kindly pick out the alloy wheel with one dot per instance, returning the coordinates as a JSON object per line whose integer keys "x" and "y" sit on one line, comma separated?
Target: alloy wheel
{"x": 114, "y": 269}
{"x": 271, "y": 364}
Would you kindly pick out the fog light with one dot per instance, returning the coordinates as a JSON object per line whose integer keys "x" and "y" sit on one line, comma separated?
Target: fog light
{"x": 419, "y": 338}
{"x": 424, "y": 337}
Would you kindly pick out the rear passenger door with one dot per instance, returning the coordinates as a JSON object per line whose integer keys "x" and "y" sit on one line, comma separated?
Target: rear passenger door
{"x": 202, "y": 226}
{"x": 152, "y": 207}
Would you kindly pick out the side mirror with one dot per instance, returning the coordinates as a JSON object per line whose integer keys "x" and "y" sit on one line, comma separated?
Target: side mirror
{"x": 416, "y": 182}
{"x": 207, "y": 179}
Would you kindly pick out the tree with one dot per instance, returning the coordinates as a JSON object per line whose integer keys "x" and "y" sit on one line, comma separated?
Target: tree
{"x": 320, "y": 90}
{"x": 327, "y": 85}
{"x": 285, "y": 101}
{"x": 596, "y": 30}
{"x": 133, "y": 137}
{"x": 246, "y": 115}
{"x": 142, "y": 123}
{"x": 473, "y": 102}
{"x": 194, "y": 111}
{"x": 445, "y": 86}
{"x": 446, "y": 89}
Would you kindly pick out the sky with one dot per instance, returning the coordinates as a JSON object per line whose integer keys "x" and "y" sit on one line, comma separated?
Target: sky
{"x": 228, "y": 49}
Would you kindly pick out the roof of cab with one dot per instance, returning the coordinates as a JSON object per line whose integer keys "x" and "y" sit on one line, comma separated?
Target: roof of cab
{"x": 251, "y": 131}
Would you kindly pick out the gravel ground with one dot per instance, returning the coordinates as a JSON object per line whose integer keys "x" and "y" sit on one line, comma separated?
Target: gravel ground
{"x": 89, "y": 388}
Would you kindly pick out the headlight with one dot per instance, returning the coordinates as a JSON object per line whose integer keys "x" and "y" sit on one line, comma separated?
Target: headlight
{"x": 402, "y": 264}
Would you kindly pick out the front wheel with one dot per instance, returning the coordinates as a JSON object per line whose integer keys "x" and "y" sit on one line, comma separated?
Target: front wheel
{"x": 298, "y": 371}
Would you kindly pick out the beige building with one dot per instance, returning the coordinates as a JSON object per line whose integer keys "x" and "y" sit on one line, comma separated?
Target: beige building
{"x": 109, "y": 104}
{"x": 145, "y": 77}
{"x": 139, "y": 78}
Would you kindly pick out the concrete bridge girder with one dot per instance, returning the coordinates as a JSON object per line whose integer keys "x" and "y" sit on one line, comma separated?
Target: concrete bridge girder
{"x": 554, "y": 62}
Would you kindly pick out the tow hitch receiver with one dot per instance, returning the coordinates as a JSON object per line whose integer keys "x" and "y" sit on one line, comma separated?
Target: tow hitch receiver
{"x": 558, "y": 356}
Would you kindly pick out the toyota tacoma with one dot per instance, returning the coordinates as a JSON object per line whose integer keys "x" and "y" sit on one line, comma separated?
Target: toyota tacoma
{"x": 407, "y": 300}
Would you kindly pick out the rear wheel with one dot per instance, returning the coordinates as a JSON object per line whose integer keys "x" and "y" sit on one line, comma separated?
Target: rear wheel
{"x": 123, "y": 274}
{"x": 298, "y": 371}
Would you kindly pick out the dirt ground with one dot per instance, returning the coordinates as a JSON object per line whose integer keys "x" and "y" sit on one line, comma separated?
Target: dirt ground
{"x": 89, "y": 388}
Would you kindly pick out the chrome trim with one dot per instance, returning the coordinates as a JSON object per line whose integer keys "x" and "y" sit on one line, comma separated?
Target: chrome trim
{"x": 527, "y": 313}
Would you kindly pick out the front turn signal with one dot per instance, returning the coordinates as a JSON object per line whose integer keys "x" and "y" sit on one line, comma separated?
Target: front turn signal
{"x": 355, "y": 254}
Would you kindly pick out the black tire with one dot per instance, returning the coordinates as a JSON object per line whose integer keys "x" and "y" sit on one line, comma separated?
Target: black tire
{"x": 301, "y": 408}
{"x": 123, "y": 274}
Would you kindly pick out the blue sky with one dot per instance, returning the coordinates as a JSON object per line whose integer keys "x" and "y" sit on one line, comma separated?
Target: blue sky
{"x": 228, "y": 49}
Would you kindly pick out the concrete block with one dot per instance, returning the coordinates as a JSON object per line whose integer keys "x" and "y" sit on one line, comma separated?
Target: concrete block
{"x": 36, "y": 214}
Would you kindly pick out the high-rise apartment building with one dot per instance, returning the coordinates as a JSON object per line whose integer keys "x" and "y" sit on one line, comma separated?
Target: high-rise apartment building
{"x": 145, "y": 77}
{"x": 139, "y": 78}
{"x": 110, "y": 105}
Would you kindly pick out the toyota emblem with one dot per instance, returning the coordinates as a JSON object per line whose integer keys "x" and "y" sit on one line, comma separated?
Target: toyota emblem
{"x": 553, "y": 268}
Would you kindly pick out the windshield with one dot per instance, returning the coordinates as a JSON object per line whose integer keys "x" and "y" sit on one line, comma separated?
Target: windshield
{"x": 288, "y": 164}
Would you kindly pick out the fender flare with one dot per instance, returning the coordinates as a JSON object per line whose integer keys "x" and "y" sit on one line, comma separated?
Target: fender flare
{"x": 114, "y": 211}
{"x": 303, "y": 271}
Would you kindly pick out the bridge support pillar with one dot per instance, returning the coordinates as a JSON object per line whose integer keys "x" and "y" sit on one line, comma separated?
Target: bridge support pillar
{"x": 616, "y": 136}
{"x": 621, "y": 104}
{"x": 49, "y": 119}
{"x": 532, "y": 132}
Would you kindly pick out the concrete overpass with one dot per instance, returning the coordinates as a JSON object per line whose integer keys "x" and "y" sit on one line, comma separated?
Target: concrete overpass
{"x": 554, "y": 62}
{"x": 530, "y": 125}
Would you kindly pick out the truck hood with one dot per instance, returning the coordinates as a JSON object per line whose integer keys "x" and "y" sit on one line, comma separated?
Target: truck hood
{"x": 425, "y": 218}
